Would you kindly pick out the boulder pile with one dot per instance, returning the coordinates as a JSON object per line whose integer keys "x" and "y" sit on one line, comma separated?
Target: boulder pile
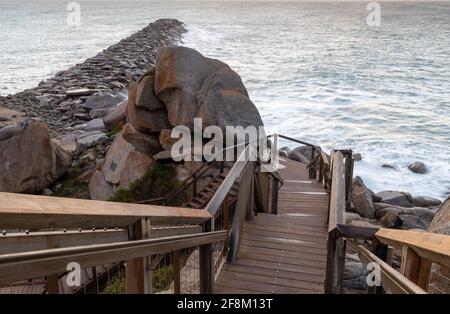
{"x": 182, "y": 86}
{"x": 87, "y": 90}
{"x": 391, "y": 209}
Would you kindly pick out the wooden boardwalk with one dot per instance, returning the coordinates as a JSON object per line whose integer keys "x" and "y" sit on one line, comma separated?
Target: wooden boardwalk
{"x": 283, "y": 253}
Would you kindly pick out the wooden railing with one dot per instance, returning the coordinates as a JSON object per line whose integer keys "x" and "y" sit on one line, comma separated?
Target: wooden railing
{"x": 419, "y": 250}
{"x": 43, "y": 234}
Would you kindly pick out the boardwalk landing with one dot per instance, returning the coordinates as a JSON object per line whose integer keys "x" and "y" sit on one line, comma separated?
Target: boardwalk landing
{"x": 284, "y": 253}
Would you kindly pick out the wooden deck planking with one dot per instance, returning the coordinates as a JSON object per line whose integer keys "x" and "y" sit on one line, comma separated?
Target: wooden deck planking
{"x": 283, "y": 253}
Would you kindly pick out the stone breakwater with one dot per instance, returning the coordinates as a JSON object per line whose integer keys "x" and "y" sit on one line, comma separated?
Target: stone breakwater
{"x": 61, "y": 101}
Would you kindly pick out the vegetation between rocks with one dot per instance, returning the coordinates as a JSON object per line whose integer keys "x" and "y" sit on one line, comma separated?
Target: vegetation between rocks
{"x": 158, "y": 181}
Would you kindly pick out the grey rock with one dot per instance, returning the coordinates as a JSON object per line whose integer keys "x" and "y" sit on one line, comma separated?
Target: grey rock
{"x": 362, "y": 201}
{"x": 79, "y": 92}
{"x": 358, "y": 181}
{"x": 9, "y": 131}
{"x": 418, "y": 167}
{"x": 90, "y": 139}
{"x": 425, "y": 201}
{"x": 412, "y": 222}
{"x": 82, "y": 116}
{"x": 103, "y": 101}
{"x": 387, "y": 166}
{"x": 99, "y": 113}
{"x": 403, "y": 199}
{"x": 96, "y": 125}
{"x": 117, "y": 118}
{"x": 357, "y": 156}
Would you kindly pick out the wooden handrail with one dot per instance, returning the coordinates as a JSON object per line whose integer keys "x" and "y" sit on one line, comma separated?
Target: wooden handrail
{"x": 21, "y": 266}
{"x": 21, "y": 211}
{"x": 216, "y": 201}
{"x": 431, "y": 246}
{"x": 391, "y": 280}
{"x": 337, "y": 195}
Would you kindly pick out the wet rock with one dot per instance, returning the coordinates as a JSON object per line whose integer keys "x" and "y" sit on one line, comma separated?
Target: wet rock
{"x": 357, "y": 156}
{"x": 403, "y": 199}
{"x": 425, "y": 201}
{"x": 29, "y": 160}
{"x": 387, "y": 166}
{"x": 418, "y": 167}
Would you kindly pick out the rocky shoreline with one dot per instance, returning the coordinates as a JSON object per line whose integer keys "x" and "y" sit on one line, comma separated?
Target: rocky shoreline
{"x": 62, "y": 102}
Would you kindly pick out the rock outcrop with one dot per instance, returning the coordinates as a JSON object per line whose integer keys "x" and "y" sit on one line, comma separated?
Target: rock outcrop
{"x": 182, "y": 86}
{"x": 191, "y": 85}
{"x": 29, "y": 160}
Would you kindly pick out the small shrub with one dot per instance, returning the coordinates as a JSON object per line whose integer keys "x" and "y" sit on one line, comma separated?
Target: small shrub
{"x": 158, "y": 181}
{"x": 162, "y": 278}
{"x": 117, "y": 286}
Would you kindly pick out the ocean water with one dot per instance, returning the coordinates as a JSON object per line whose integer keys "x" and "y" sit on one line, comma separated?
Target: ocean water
{"x": 315, "y": 70}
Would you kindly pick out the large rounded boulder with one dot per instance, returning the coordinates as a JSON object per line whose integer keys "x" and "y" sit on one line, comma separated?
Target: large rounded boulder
{"x": 29, "y": 160}
{"x": 191, "y": 85}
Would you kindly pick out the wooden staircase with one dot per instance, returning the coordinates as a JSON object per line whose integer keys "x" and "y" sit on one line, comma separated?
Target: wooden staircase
{"x": 201, "y": 199}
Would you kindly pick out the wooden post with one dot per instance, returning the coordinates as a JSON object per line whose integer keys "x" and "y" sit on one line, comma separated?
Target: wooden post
{"x": 176, "y": 272}
{"x": 226, "y": 221}
{"x": 348, "y": 178}
{"x": 321, "y": 169}
{"x": 242, "y": 205}
{"x": 249, "y": 214}
{"x": 206, "y": 265}
{"x": 415, "y": 268}
{"x": 274, "y": 196}
{"x": 137, "y": 276}
{"x": 95, "y": 278}
{"x": 335, "y": 260}
{"x": 52, "y": 280}
{"x": 312, "y": 168}
{"x": 52, "y": 284}
{"x": 381, "y": 251}
{"x": 194, "y": 187}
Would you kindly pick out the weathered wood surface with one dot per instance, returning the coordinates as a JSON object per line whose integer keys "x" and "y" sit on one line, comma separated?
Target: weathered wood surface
{"x": 21, "y": 211}
{"x": 431, "y": 246}
{"x": 23, "y": 266}
{"x": 283, "y": 253}
{"x": 391, "y": 280}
